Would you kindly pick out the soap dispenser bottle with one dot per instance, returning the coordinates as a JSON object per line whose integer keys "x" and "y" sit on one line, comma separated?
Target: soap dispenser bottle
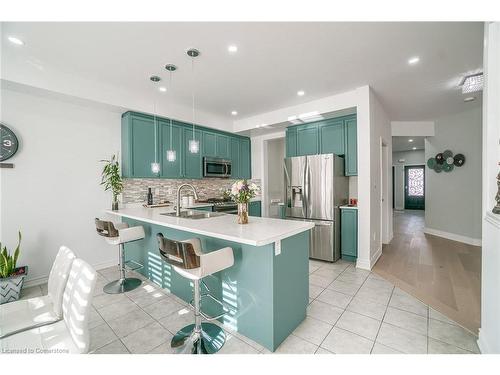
{"x": 150, "y": 197}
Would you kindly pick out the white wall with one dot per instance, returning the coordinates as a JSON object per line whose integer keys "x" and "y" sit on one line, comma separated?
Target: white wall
{"x": 53, "y": 194}
{"x": 412, "y": 128}
{"x": 453, "y": 200}
{"x": 489, "y": 333}
{"x": 275, "y": 155}
{"x": 413, "y": 157}
{"x": 380, "y": 183}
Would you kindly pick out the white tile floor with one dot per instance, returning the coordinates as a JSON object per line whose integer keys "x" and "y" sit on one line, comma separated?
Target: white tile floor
{"x": 350, "y": 311}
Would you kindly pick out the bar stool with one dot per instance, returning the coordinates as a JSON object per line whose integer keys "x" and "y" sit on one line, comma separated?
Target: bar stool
{"x": 119, "y": 234}
{"x": 189, "y": 261}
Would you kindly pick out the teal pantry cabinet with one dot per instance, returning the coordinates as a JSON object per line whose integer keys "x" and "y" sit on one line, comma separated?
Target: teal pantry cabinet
{"x": 139, "y": 150}
{"x": 349, "y": 233}
{"x": 337, "y": 135}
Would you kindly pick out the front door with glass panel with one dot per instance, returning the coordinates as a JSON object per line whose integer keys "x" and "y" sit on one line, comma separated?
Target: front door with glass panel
{"x": 415, "y": 187}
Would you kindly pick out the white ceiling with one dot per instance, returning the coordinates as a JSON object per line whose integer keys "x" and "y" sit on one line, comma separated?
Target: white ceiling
{"x": 404, "y": 144}
{"x": 273, "y": 61}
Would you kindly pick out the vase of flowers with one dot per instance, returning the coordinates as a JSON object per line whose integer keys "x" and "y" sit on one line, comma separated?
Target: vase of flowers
{"x": 242, "y": 192}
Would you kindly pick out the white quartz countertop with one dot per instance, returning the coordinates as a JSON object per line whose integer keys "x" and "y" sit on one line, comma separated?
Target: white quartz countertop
{"x": 259, "y": 231}
{"x": 348, "y": 207}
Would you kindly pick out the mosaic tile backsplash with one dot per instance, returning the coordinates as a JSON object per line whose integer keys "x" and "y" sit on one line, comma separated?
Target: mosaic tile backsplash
{"x": 135, "y": 190}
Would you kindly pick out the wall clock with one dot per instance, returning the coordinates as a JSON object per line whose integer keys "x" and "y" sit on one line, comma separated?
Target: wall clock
{"x": 8, "y": 143}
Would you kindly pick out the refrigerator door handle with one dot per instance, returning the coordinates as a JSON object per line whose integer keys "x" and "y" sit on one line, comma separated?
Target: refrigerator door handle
{"x": 288, "y": 192}
{"x": 305, "y": 190}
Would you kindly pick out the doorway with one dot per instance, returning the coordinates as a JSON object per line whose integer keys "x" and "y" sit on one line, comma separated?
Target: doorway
{"x": 415, "y": 187}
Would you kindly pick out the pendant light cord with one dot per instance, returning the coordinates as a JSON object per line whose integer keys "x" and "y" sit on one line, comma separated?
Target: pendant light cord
{"x": 154, "y": 124}
{"x": 192, "y": 89}
{"x": 171, "y": 96}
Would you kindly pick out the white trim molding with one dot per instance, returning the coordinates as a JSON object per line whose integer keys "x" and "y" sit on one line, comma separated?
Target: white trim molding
{"x": 368, "y": 265}
{"x": 454, "y": 237}
{"x": 483, "y": 344}
{"x": 493, "y": 219}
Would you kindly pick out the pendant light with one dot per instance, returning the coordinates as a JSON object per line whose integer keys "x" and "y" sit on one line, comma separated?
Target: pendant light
{"x": 194, "y": 144}
{"x": 155, "y": 166}
{"x": 171, "y": 153}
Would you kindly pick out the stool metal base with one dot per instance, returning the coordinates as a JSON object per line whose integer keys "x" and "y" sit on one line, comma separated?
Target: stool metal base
{"x": 122, "y": 286}
{"x": 209, "y": 341}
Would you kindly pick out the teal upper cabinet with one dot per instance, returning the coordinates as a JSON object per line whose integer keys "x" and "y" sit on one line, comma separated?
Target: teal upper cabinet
{"x": 235, "y": 157}
{"x": 351, "y": 142}
{"x": 291, "y": 142}
{"x": 209, "y": 144}
{"x": 337, "y": 136}
{"x": 141, "y": 138}
{"x": 223, "y": 146}
{"x": 245, "y": 168}
{"x": 138, "y": 145}
{"x": 191, "y": 162}
{"x": 170, "y": 169}
{"x": 307, "y": 140}
{"x": 331, "y": 136}
{"x": 216, "y": 145}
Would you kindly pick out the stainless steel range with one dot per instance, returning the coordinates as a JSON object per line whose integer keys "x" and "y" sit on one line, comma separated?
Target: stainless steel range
{"x": 223, "y": 205}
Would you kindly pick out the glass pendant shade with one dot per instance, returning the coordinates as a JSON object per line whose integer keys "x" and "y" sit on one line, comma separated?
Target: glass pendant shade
{"x": 155, "y": 167}
{"x": 194, "y": 146}
{"x": 171, "y": 155}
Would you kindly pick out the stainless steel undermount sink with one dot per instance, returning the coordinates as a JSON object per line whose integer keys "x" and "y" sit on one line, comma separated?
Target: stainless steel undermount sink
{"x": 194, "y": 214}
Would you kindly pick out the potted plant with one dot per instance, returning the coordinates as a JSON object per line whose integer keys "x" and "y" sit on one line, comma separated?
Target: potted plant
{"x": 11, "y": 277}
{"x": 242, "y": 192}
{"x": 111, "y": 179}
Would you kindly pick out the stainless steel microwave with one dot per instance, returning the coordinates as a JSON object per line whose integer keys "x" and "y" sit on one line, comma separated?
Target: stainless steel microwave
{"x": 216, "y": 167}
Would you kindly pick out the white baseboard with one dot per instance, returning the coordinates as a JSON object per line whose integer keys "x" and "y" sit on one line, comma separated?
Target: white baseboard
{"x": 375, "y": 257}
{"x": 454, "y": 237}
{"x": 482, "y": 344}
{"x": 44, "y": 279}
{"x": 366, "y": 264}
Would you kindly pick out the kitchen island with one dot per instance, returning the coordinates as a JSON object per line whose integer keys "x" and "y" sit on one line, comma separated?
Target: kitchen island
{"x": 267, "y": 288}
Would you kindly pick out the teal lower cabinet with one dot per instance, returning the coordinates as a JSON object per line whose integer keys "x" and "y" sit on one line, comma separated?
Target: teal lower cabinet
{"x": 349, "y": 233}
{"x": 255, "y": 209}
{"x": 266, "y": 294}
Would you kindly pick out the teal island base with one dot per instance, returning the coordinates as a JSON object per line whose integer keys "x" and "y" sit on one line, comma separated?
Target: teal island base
{"x": 266, "y": 294}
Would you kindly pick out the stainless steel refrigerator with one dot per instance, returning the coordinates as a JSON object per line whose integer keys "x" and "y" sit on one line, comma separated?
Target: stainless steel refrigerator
{"x": 315, "y": 187}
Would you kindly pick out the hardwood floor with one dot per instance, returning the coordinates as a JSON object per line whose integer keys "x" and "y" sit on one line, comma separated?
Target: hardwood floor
{"x": 444, "y": 274}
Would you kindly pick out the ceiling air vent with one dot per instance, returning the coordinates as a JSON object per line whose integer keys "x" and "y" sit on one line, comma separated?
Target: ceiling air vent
{"x": 472, "y": 83}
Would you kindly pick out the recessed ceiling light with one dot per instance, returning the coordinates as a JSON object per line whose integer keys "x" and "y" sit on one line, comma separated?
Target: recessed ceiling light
{"x": 162, "y": 89}
{"x": 234, "y": 113}
{"x": 414, "y": 148}
{"x": 469, "y": 99}
{"x": 410, "y": 140}
{"x": 413, "y": 60}
{"x": 15, "y": 40}
{"x": 232, "y": 48}
{"x": 301, "y": 93}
